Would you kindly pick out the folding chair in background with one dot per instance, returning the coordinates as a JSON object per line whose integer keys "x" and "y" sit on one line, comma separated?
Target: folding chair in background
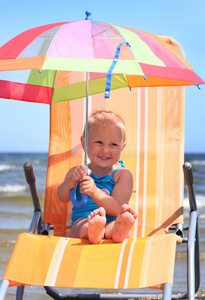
{"x": 154, "y": 154}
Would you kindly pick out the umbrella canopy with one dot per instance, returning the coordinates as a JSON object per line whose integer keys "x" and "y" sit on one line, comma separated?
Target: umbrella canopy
{"x": 46, "y": 64}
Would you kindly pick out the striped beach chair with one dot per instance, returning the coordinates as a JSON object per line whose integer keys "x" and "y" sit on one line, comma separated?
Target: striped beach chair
{"x": 154, "y": 154}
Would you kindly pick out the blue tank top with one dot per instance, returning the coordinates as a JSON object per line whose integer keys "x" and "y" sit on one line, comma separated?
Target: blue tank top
{"x": 106, "y": 184}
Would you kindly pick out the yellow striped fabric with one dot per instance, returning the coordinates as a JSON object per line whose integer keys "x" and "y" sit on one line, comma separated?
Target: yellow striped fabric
{"x": 64, "y": 262}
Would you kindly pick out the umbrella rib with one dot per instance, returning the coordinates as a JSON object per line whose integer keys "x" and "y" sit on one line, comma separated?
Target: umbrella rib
{"x": 125, "y": 79}
{"x": 102, "y": 31}
{"x": 54, "y": 37}
{"x": 130, "y": 48}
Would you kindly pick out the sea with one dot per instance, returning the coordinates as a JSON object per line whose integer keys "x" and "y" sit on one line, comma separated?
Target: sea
{"x": 16, "y": 211}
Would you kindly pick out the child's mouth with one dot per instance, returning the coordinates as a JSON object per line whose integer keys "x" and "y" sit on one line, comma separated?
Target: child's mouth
{"x": 103, "y": 158}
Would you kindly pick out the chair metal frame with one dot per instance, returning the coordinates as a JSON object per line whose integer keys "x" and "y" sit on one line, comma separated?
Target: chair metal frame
{"x": 193, "y": 250}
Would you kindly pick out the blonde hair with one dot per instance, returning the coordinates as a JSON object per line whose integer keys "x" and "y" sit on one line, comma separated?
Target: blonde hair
{"x": 104, "y": 118}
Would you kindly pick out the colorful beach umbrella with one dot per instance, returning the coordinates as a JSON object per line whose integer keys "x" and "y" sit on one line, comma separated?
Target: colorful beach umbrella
{"x": 47, "y": 64}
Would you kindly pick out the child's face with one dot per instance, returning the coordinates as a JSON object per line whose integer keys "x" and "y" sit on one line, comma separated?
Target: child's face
{"x": 105, "y": 144}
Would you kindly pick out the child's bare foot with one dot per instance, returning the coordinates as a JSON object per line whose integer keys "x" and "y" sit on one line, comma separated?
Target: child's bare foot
{"x": 96, "y": 225}
{"x": 124, "y": 223}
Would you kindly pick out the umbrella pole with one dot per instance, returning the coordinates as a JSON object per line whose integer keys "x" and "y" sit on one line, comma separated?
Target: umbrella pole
{"x": 73, "y": 198}
{"x": 86, "y": 118}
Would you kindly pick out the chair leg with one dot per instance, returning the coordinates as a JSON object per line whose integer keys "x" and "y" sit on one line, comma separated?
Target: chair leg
{"x": 3, "y": 288}
{"x": 20, "y": 292}
{"x": 191, "y": 256}
{"x": 167, "y": 292}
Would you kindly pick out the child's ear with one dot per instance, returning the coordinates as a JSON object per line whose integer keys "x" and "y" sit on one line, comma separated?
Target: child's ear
{"x": 124, "y": 144}
{"x": 82, "y": 139}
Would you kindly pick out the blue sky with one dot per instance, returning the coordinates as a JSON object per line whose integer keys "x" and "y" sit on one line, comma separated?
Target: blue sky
{"x": 25, "y": 126}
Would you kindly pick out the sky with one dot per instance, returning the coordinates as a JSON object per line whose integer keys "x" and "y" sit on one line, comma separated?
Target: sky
{"x": 24, "y": 127}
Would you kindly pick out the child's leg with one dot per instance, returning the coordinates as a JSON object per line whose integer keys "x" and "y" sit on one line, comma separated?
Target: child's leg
{"x": 79, "y": 229}
{"x": 96, "y": 225}
{"x": 121, "y": 228}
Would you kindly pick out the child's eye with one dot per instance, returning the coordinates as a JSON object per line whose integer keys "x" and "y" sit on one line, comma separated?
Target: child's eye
{"x": 98, "y": 142}
{"x": 114, "y": 145}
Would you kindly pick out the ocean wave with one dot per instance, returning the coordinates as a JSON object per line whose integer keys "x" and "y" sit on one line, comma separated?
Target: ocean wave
{"x": 6, "y": 167}
{"x": 11, "y": 234}
{"x": 36, "y": 162}
{"x": 202, "y": 216}
{"x": 6, "y": 242}
{"x": 17, "y": 224}
{"x": 198, "y": 162}
{"x": 8, "y": 188}
{"x": 200, "y": 200}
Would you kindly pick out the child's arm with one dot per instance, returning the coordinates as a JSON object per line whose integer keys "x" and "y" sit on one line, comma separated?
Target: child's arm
{"x": 71, "y": 180}
{"x": 120, "y": 195}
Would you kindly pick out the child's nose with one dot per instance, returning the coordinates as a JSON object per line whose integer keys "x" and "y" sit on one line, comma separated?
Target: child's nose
{"x": 105, "y": 149}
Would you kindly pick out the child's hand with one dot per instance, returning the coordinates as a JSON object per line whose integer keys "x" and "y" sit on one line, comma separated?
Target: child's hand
{"x": 87, "y": 186}
{"x": 74, "y": 175}
{"x": 78, "y": 173}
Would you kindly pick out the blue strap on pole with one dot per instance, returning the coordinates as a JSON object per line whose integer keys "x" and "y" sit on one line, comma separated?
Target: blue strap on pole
{"x": 109, "y": 73}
